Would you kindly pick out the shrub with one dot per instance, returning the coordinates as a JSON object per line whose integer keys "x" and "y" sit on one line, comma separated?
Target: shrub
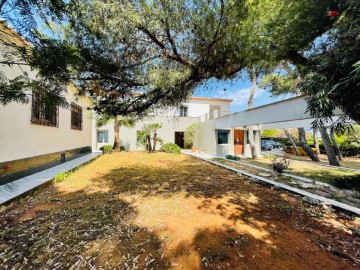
{"x": 122, "y": 148}
{"x": 231, "y": 157}
{"x": 60, "y": 177}
{"x": 281, "y": 165}
{"x": 347, "y": 182}
{"x": 170, "y": 148}
{"x": 107, "y": 149}
{"x": 350, "y": 150}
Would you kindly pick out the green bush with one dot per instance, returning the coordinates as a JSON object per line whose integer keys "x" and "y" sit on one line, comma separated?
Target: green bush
{"x": 122, "y": 148}
{"x": 350, "y": 150}
{"x": 231, "y": 157}
{"x": 170, "y": 148}
{"x": 107, "y": 149}
{"x": 347, "y": 182}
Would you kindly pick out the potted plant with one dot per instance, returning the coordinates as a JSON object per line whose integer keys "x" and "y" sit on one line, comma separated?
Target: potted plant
{"x": 191, "y": 136}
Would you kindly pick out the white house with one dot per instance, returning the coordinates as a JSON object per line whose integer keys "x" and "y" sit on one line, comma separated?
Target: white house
{"x": 32, "y": 137}
{"x": 174, "y": 122}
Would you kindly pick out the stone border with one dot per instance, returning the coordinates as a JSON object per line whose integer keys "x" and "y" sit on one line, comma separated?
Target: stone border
{"x": 45, "y": 183}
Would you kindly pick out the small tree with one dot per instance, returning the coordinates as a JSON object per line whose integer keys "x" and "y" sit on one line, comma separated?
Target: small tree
{"x": 147, "y": 134}
{"x": 192, "y": 134}
{"x": 127, "y": 121}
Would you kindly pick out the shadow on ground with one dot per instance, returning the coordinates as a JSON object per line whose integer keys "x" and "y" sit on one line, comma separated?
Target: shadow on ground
{"x": 163, "y": 211}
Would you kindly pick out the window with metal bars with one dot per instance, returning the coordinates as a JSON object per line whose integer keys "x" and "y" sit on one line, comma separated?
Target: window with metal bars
{"x": 76, "y": 116}
{"x": 43, "y": 113}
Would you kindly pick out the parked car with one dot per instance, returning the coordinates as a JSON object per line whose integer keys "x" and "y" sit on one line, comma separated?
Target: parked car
{"x": 276, "y": 144}
{"x": 266, "y": 146}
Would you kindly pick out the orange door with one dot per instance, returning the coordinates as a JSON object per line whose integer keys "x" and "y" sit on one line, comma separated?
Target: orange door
{"x": 238, "y": 142}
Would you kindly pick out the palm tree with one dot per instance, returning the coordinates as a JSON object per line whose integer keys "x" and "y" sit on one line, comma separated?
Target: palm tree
{"x": 144, "y": 136}
{"x": 127, "y": 121}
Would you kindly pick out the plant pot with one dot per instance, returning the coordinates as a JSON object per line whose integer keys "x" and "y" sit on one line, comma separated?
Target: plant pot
{"x": 193, "y": 149}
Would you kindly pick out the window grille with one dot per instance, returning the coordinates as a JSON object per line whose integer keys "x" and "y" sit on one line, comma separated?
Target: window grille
{"x": 42, "y": 113}
{"x": 76, "y": 116}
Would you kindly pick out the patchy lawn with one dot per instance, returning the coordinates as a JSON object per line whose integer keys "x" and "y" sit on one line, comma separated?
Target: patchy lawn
{"x": 349, "y": 162}
{"x": 160, "y": 211}
{"x": 349, "y": 197}
{"x": 335, "y": 176}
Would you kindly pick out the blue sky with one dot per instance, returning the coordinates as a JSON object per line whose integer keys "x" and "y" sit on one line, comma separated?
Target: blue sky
{"x": 238, "y": 90}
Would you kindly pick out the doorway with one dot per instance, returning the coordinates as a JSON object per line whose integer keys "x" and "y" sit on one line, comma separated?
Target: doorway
{"x": 179, "y": 139}
{"x": 238, "y": 142}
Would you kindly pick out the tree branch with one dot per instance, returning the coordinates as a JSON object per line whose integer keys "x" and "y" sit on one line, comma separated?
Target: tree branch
{"x": 177, "y": 58}
{"x": 9, "y": 63}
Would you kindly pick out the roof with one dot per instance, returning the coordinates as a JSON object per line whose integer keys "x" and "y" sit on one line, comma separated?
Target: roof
{"x": 211, "y": 99}
{"x": 9, "y": 35}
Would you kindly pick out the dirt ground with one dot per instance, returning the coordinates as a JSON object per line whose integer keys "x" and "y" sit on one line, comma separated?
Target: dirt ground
{"x": 165, "y": 211}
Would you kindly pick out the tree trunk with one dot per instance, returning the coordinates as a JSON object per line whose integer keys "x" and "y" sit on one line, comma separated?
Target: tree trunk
{"x": 292, "y": 142}
{"x": 116, "y": 145}
{"x": 336, "y": 145}
{"x": 316, "y": 141}
{"x": 148, "y": 139}
{"x": 254, "y": 150}
{"x": 155, "y": 139}
{"x": 305, "y": 146}
{"x": 328, "y": 147}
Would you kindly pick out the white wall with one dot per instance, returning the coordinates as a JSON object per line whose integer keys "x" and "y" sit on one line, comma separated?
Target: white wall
{"x": 170, "y": 125}
{"x": 21, "y": 139}
{"x": 197, "y": 108}
{"x": 285, "y": 111}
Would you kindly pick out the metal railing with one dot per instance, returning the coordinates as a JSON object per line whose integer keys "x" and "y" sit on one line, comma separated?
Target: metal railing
{"x": 214, "y": 115}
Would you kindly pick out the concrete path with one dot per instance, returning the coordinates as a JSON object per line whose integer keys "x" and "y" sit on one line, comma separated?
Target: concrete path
{"x": 16, "y": 188}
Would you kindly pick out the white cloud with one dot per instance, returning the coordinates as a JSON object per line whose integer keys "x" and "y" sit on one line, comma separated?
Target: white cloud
{"x": 241, "y": 96}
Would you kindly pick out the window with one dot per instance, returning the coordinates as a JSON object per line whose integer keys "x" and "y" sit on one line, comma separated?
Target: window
{"x": 223, "y": 136}
{"x": 42, "y": 113}
{"x": 247, "y": 137}
{"x": 103, "y": 136}
{"x": 183, "y": 111}
{"x": 76, "y": 116}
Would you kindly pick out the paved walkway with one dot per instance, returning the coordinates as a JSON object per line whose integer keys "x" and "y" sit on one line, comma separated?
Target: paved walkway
{"x": 16, "y": 188}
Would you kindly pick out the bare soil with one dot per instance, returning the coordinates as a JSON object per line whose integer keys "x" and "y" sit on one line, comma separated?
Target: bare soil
{"x": 165, "y": 211}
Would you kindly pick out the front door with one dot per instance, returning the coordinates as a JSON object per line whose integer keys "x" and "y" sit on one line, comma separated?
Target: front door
{"x": 238, "y": 142}
{"x": 179, "y": 139}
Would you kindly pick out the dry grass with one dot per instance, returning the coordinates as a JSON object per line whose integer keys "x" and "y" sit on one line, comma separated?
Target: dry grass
{"x": 315, "y": 172}
{"x": 349, "y": 162}
{"x": 160, "y": 211}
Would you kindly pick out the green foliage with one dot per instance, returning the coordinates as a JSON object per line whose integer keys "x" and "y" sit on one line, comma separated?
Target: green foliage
{"x": 350, "y": 150}
{"x": 348, "y": 182}
{"x": 104, "y": 118}
{"x": 182, "y": 44}
{"x": 107, "y": 149}
{"x": 170, "y": 148}
{"x": 268, "y": 133}
{"x": 231, "y": 157}
{"x": 148, "y": 133}
{"x": 60, "y": 177}
{"x": 192, "y": 134}
{"x": 122, "y": 148}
